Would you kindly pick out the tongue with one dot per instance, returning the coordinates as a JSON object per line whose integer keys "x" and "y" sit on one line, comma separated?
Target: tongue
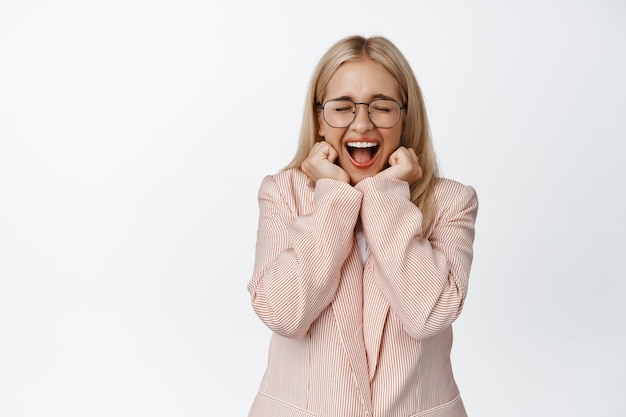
{"x": 361, "y": 155}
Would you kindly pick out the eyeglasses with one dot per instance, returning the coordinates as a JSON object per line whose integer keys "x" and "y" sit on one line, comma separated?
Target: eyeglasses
{"x": 384, "y": 113}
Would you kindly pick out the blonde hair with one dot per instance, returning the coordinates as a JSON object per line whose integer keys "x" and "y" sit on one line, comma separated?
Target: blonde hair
{"x": 415, "y": 133}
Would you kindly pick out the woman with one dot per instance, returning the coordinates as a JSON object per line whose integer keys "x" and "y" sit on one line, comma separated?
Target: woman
{"x": 363, "y": 252}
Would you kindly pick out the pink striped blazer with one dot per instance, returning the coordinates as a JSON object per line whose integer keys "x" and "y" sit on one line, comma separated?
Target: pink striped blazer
{"x": 354, "y": 337}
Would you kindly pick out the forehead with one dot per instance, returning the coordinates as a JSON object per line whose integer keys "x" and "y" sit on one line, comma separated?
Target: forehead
{"x": 362, "y": 80}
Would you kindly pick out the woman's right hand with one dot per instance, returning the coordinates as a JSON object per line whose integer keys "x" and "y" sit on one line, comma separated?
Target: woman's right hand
{"x": 321, "y": 163}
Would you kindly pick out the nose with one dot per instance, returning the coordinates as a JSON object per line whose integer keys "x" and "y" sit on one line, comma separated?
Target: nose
{"x": 362, "y": 121}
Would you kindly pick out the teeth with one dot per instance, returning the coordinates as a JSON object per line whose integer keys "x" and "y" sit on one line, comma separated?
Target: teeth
{"x": 361, "y": 144}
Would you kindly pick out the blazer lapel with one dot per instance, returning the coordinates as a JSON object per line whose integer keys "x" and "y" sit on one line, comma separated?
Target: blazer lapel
{"x": 375, "y": 311}
{"x": 347, "y": 308}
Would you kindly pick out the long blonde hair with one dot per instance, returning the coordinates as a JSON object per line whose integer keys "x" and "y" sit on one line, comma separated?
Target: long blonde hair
{"x": 416, "y": 132}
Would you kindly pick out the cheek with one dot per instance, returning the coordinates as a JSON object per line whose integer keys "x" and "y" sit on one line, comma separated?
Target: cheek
{"x": 393, "y": 137}
{"x": 385, "y": 159}
{"x": 333, "y": 140}
{"x": 332, "y": 135}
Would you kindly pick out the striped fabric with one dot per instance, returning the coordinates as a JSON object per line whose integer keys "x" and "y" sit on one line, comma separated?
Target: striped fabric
{"x": 352, "y": 340}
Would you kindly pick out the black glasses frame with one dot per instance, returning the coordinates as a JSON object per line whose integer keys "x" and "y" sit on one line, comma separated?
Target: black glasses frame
{"x": 369, "y": 114}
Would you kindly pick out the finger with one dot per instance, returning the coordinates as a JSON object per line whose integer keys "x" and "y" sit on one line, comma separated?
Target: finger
{"x": 320, "y": 150}
{"x": 330, "y": 152}
{"x": 408, "y": 155}
{"x": 394, "y": 158}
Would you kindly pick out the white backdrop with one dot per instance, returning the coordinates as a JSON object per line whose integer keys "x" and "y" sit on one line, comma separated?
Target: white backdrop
{"x": 133, "y": 138}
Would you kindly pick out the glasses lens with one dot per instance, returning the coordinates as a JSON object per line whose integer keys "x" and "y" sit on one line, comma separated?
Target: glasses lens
{"x": 339, "y": 113}
{"x": 384, "y": 113}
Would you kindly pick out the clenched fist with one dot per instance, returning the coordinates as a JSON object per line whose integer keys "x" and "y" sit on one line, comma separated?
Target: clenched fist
{"x": 321, "y": 163}
{"x": 403, "y": 165}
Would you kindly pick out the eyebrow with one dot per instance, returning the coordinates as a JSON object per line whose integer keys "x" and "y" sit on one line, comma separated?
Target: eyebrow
{"x": 378, "y": 96}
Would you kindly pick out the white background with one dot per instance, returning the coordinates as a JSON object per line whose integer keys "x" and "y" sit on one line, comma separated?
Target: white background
{"x": 134, "y": 136}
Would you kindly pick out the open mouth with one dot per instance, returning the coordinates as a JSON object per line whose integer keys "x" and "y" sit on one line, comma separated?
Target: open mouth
{"x": 362, "y": 153}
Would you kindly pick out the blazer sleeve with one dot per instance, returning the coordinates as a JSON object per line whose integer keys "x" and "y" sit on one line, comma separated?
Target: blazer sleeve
{"x": 299, "y": 257}
{"x": 424, "y": 280}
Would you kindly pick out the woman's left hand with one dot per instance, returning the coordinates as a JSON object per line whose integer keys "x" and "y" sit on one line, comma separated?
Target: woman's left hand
{"x": 403, "y": 165}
